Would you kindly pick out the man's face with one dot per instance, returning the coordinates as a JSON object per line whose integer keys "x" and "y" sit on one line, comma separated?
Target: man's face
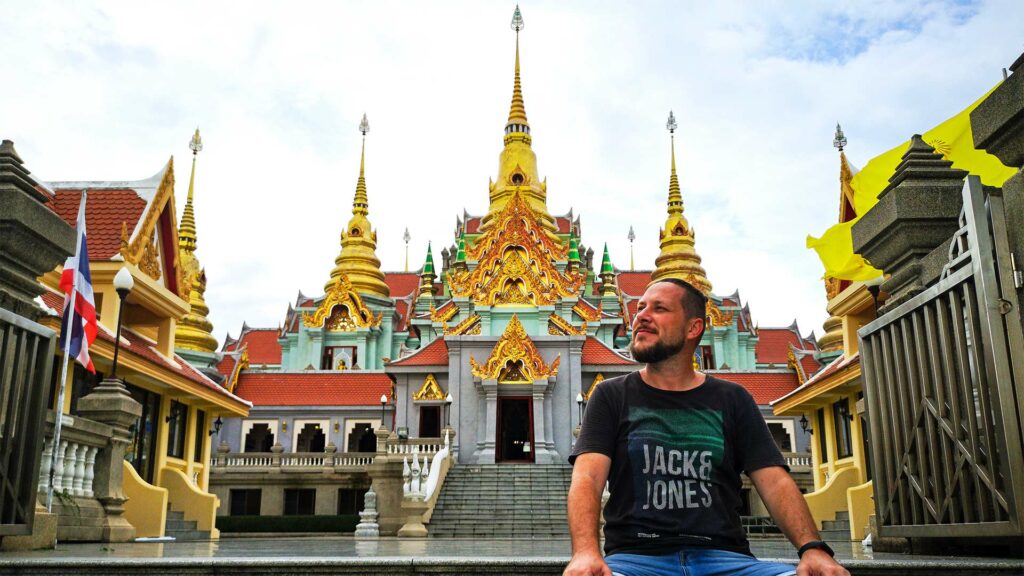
{"x": 660, "y": 326}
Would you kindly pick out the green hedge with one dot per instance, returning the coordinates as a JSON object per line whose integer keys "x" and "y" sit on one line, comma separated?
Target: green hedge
{"x": 346, "y": 523}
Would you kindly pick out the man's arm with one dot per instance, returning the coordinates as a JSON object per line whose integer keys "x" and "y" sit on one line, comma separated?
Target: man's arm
{"x": 589, "y": 474}
{"x": 789, "y": 509}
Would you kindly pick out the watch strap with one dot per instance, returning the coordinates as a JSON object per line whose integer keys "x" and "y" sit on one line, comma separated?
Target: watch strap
{"x": 819, "y": 544}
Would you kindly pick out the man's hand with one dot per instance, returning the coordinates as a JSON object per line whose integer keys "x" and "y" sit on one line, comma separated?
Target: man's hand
{"x": 587, "y": 564}
{"x": 818, "y": 563}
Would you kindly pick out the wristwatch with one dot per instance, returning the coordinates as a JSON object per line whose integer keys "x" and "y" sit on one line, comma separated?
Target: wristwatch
{"x": 820, "y": 545}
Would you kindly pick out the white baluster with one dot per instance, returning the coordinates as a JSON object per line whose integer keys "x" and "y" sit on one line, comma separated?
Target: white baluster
{"x": 79, "y": 479}
{"x": 44, "y": 466}
{"x": 424, "y": 474}
{"x": 416, "y": 489}
{"x": 90, "y": 470}
{"x": 406, "y": 476}
{"x": 68, "y": 484}
{"x": 58, "y": 468}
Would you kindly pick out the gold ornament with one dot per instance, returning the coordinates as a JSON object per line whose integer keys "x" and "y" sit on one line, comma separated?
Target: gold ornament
{"x": 352, "y": 313}
{"x": 597, "y": 380}
{"x": 715, "y": 314}
{"x": 444, "y": 313}
{"x": 468, "y": 327}
{"x": 558, "y": 326}
{"x": 430, "y": 390}
{"x": 515, "y": 359}
{"x": 588, "y": 313}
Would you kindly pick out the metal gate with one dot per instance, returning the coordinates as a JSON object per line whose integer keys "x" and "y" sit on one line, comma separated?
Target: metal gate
{"x": 944, "y": 381}
{"x": 26, "y": 356}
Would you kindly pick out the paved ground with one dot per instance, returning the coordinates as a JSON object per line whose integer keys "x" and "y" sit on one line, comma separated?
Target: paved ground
{"x": 328, "y": 548}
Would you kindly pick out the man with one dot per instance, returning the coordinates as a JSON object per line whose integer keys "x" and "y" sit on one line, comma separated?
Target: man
{"x": 673, "y": 441}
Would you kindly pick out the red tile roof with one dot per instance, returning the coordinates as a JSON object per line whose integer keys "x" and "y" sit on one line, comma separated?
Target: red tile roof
{"x": 763, "y": 386}
{"x": 402, "y": 309}
{"x": 143, "y": 348}
{"x": 773, "y": 345}
{"x": 563, "y": 224}
{"x": 596, "y": 353}
{"x": 473, "y": 225}
{"x": 105, "y": 212}
{"x": 227, "y": 364}
{"x": 840, "y": 363}
{"x": 402, "y": 283}
{"x": 262, "y": 344}
{"x": 810, "y": 365}
{"x": 633, "y": 283}
{"x": 433, "y": 354}
{"x": 349, "y": 388}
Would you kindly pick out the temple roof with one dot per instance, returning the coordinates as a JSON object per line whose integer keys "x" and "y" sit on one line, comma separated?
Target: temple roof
{"x": 841, "y": 362}
{"x": 433, "y": 354}
{"x": 312, "y": 388}
{"x": 262, "y": 345}
{"x": 596, "y": 353}
{"x": 764, "y": 386}
{"x": 773, "y": 344}
{"x": 145, "y": 349}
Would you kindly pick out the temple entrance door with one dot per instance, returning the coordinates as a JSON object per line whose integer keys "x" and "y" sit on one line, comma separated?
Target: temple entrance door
{"x": 514, "y": 430}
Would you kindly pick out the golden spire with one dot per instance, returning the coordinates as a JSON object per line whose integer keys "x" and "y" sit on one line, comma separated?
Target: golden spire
{"x": 358, "y": 258}
{"x": 194, "y": 330}
{"x": 832, "y": 339}
{"x": 678, "y": 258}
{"x": 517, "y": 163}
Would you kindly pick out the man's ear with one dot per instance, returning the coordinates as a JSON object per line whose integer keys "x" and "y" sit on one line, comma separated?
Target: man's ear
{"x": 697, "y": 327}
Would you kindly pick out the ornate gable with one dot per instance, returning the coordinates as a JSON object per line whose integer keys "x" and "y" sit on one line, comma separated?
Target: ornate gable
{"x": 515, "y": 359}
{"x": 430, "y": 390}
{"x": 516, "y": 263}
{"x": 342, "y": 310}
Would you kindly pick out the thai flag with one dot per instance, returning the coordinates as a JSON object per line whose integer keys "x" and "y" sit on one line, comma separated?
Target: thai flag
{"x": 79, "y": 322}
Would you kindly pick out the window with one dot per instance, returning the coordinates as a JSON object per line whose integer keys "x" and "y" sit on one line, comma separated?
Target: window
{"x": 200, "y": 437}
{"x": 841, "y": 419}
{"x": 706, "y": 358}
{"x": 362, "y": 438}
{"x": 822, "y": 444}
{"x": 350, "y": 500}
{"x": 781, "y": 436}
{"x": 311, "y": 438}
{"x": 299, "y": 501}
{"x": 259, "y": 438}
{"x": 339, "y": 358}
{"x": 141, "y": 450}
{"x": 177, "y": 422}
{"x": 245, "y": 501}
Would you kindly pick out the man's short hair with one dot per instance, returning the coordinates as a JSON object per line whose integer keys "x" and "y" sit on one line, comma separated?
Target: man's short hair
{"x": 694, "y": 301}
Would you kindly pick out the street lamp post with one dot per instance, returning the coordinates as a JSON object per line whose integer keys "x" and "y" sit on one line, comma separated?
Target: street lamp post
{"x": 448, "y": 410}
{"x": 383, "y": 404}
{"x": 123, "y": 283}
{"x": 579, "y": 405}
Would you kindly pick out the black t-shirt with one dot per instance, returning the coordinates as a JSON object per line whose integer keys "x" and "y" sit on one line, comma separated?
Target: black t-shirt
{"x": 676, "y": 462}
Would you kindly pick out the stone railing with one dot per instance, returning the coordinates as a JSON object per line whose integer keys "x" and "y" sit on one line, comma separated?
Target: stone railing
{"x": 226, "y": 461}
{"x": 419, "y": 446}
{"x": 421, "y": 487}
{"x": 797, "y": 459}
{"x": 75, "y": 468}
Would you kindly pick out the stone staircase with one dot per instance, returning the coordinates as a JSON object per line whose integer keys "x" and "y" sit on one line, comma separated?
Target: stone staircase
{"x": 183, "y": 530}
{"x": 78, "y": 519}
{"x": 837, "y": 530}
{"x": 503, "y": 501}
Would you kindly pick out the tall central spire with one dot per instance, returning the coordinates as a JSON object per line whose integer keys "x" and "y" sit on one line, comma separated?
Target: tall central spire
{"x": 678, "y": 258}
{"x": 358, "y": 258}
{"x": 517, "y": 164}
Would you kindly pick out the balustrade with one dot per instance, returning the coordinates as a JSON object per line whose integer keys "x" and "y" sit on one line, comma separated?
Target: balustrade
{"x": 74, "y": 469}
{"x": 294, "y": 460}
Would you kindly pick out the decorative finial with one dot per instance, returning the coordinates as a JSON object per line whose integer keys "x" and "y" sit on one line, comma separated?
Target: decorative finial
{"x": 196, "y": 145}
{"x": 517, "y": 20}
{"x": 840, "y": 140}
{"x": 671, "y": 124}
{"x": 364, "y": 125}
{"x": 406, "y": 237}
{"x": 631, "y": 235}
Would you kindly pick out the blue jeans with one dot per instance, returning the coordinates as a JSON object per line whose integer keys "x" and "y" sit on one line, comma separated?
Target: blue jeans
{"x": 695, "y": 562}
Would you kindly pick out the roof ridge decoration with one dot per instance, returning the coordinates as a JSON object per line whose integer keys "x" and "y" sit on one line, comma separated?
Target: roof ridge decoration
{"x": 430, "y": 391}
{"x": 586, "y": 312}
{"x": 516, "y": 263}
{"x": 558, "y": 326}
{"x": 471, "y": 326}
{"x": 515, "y": 359}
{"x": 718, "y": 318}
{"x": 446, "y": 312}
{"x": 597, "y": 380}
{"x": 351, "y": 315}
{"x": 242, "y": 363}
{"x": 678, "y": 257}
{"x": 793, "y": 363}
{"x": 140, "y": 248}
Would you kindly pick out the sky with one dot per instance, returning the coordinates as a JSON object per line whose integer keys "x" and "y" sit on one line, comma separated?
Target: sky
{"x": 111, "y": 90}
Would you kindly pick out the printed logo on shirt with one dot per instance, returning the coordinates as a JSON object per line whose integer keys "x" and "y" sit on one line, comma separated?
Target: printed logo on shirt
{"x": 673, "y": 454}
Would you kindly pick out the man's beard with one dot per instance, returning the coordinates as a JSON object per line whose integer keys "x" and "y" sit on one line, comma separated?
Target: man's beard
{"x": 657, "y": 352}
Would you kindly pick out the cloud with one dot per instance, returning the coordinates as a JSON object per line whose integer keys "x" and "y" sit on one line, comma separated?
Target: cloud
{"x": 109, "y": 91}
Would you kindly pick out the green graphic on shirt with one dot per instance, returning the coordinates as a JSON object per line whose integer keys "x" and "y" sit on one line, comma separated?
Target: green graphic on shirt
{"x": 673, "y": 454}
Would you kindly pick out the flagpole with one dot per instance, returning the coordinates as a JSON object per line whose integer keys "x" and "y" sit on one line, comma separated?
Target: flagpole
{"x": 59, "y": 412}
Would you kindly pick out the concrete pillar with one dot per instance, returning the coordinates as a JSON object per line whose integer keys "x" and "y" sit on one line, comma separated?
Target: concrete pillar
{"x": 111, "y": 404}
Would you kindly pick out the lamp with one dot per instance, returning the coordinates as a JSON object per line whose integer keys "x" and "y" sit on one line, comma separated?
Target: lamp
{"x": 805, "y": 425}
{"x": 123, "y": 283}
{"x": 383, "y": 403}
{"x": 874, "y": 287}
{"x": 216, "y": 426}
{"x": 448, "y": 410}
{"x": 579, "y": 405}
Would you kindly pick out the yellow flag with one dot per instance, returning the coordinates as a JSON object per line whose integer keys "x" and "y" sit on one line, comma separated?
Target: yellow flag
{"x": 953, "y": 139}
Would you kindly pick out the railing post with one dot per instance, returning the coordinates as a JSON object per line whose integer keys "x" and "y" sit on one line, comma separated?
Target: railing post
{"x": 111, "y": 404}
